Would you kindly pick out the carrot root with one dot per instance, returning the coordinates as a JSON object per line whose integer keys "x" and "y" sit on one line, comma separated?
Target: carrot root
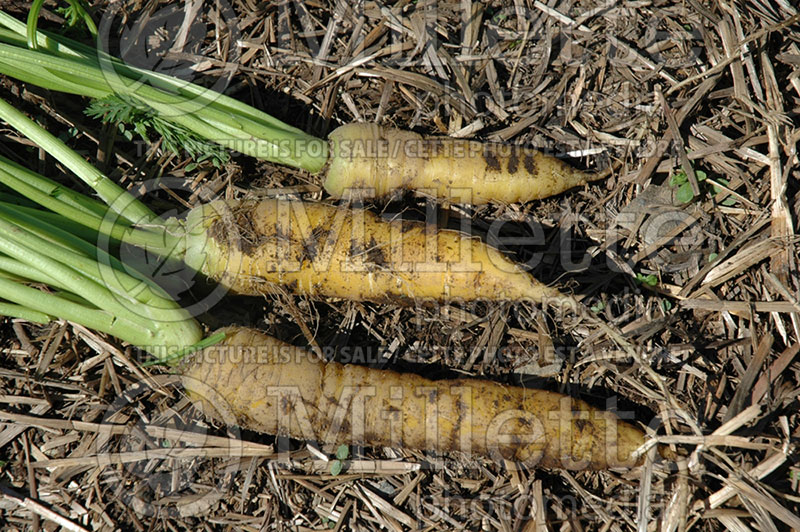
{"x": 372, "y": 161}
{"x": 319, "y": 250}
{"x": 279, "y": 389}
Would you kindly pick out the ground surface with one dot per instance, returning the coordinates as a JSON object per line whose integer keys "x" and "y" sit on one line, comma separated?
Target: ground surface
{"x": 707, "y": 289}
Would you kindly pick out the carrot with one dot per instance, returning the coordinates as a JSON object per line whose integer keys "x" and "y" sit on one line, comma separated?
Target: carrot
{"x": 313, "y": 249}
{"x": 279, "y": 389}
{"x": 48, "y": 273}
{"x": 321, "y": 250}
{"x": 276, "y": 388}
{"x": 368, "y": 160}
{"x": 357, "y": 160}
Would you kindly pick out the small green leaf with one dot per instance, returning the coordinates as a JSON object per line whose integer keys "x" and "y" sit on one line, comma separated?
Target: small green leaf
{"x": 500, "y": 17}
{"x": 666, "y": 305}
{"x": 336, "y": 467}
{"x": 649, "y": 280}
{"x": 712, "y": 257}
{"x": 342, "y": 452}
{"x": 136, "y": 117}
{"x": 700, "y": 175}
{"x": 598, "y": 307}
{"x": 678, "y": 178}
{"x": 685, "y": 193}
{"x": 141, "y": 129}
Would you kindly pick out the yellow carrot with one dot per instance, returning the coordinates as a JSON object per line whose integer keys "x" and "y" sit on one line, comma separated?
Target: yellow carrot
{"x": 320, "y": 250}
{"x": 279, "y": 389}
{"x": 368, "y": 160}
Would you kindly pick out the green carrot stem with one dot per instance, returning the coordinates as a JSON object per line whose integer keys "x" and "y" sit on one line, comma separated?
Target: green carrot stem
{"x": 80, "y": 209}
{"x": 16, "y": 199}
{"x": 291, "y": 148}
{"x": 61, "y": 307}
{"x": 24, "y": 313}
{"x": 22, "y": 272}
{"x": 125, "y": 288}
{"x": 180, "y": 353}
{"x": 72, "y": 227}
{"x": 152, "y": 235}
{"x": 109, "y": 192}
{"x": 60, "y": 45}
{"x": 159, "y": 325}
{"x": 207, "y": 113}
{"x": 52, "y": 228}
{"x": 52, "y": 188}
{"x": 97, "y": 284}
{"x": 63, "y": 74}
{"x": 46, "y": 80}
{"x": 15, "y": 32}
{"x": 33, "y": 18}
{"x": 56, "y": 235}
